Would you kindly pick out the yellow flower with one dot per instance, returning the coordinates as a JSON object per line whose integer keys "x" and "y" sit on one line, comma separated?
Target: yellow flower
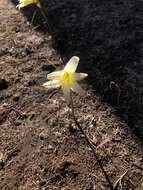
{"x": 24, "y": 3}
{"x": 66, "y": 78}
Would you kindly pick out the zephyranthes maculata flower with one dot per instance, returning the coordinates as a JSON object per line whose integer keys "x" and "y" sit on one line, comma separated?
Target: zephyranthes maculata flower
{"x": 24, "y": 3}
{"x": 66, "y": 79}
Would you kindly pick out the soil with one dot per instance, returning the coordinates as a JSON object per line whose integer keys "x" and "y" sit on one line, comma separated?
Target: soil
{"x": 40, "y": 146}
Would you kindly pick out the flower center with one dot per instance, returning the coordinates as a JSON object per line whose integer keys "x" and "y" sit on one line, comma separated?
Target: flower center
{"x": 66, "y": 76}
{"x": 67, "y": 79}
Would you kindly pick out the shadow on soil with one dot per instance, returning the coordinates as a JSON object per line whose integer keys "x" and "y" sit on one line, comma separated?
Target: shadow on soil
{"x": 108, "y": 37}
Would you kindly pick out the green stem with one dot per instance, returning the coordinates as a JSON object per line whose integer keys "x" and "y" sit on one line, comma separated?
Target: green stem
{"x": 33, "y": 16}
{"x": 90, "y": 144}
{"x": 44, "y": 15}
{"x": 46, "y": 20}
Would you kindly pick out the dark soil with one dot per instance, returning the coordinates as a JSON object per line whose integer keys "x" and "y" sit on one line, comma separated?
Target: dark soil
{"x": 40, "y": 147}
{"x": 108, "y": 37}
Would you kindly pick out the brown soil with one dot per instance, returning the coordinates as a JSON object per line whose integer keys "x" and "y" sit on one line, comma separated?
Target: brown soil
{"x": 39, "y": 144}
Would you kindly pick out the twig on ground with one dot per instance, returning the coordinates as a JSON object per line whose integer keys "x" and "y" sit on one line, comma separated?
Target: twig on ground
{"x": 119, "y": 180}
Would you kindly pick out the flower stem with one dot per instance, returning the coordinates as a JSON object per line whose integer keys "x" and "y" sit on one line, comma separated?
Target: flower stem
{"x": 42, "y": 10}
{"x": 90, "y": 144}
{"x": 44, "y": 15}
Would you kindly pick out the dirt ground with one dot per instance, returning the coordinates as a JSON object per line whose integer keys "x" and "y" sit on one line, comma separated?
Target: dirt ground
{"x": 40, "y": 147}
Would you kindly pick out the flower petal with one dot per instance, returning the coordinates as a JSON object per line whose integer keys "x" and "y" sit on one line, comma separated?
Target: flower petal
{"x": 72, "y": 64}
{"x": 23, "y": 3}
{"x": 76, "y": 88}
{"x": 66, "y": 92}
{"x": 52, "y": 84}
{"x": 54, "y": 75}
{"x": 80, "y": 76}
